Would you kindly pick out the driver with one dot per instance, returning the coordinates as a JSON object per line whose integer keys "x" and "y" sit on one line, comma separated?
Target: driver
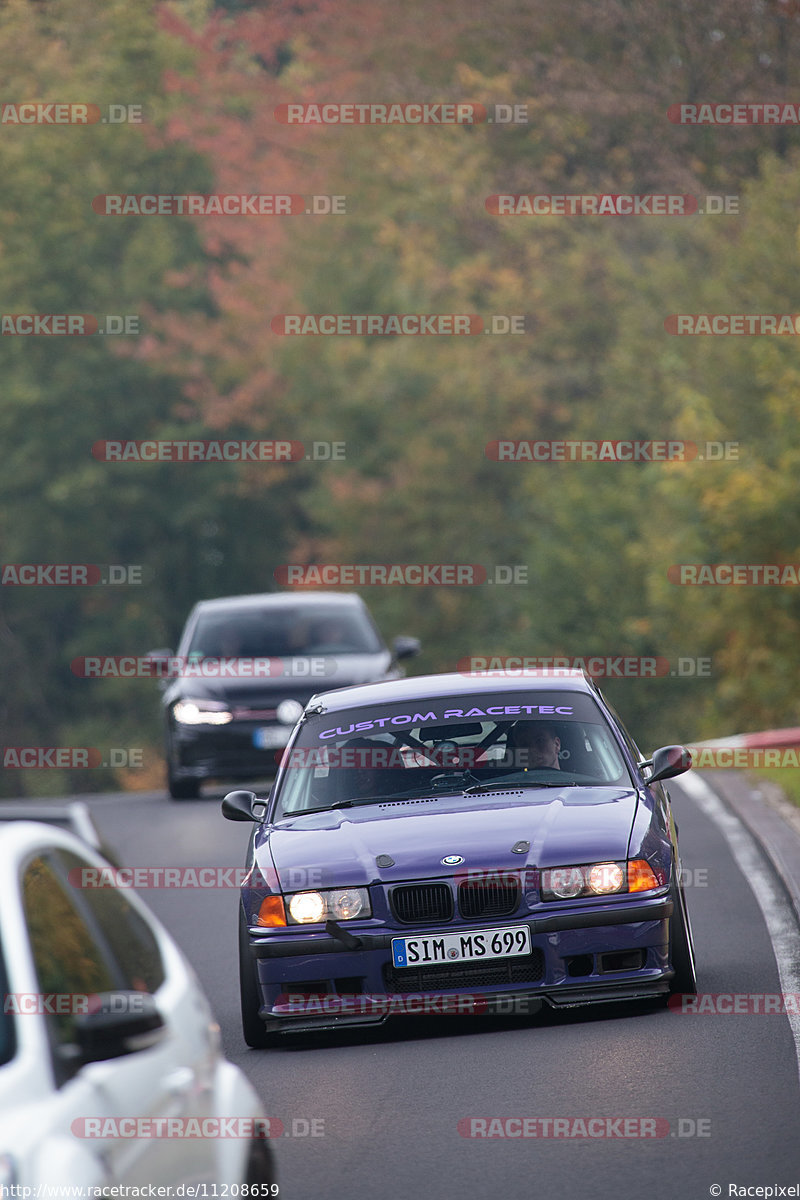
{"x": 536, "y": 744}
{"x": 358, "y": 777}
{"x": 329, "y": 635}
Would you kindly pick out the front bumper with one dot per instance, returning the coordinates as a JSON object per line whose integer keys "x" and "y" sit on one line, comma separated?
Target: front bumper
{"x": 597, "y": 955}
{"x": 227, "y": 752}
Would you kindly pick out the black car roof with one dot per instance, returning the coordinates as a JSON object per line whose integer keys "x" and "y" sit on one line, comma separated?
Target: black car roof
{"x": 278, "y": 600}
{"x": 451, "y": 683}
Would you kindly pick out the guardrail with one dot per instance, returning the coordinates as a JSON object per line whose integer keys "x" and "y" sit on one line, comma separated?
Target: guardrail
{"x": 765, "y": 740}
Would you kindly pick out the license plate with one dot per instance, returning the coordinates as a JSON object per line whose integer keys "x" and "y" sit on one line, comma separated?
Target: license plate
{"x": 270, "y": 736}
{"x": 418, "y": 951}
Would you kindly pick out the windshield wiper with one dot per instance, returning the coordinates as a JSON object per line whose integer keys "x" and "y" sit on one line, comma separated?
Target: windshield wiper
{"x": 508, "y": 786}
{"x": 307, "y": 812}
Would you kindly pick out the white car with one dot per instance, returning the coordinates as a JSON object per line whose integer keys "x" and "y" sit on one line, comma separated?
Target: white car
{"x": 74, "y": 815}
{"x": 111, "y": 1070}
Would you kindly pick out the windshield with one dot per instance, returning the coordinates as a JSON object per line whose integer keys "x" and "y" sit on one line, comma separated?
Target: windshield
{"x": 283, "y": 633}
{"x": 447, "y": 746}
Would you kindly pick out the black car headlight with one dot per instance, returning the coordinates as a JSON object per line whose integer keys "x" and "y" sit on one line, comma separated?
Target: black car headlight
{"x": 201, "y": 712}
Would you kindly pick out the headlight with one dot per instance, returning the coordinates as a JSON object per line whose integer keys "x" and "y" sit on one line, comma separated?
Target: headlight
{"x": 604, "y": 878}
{"x": 289, "y": 712}
{"x": 349, "y": 904}
{"x": 307, "y": 908}
{"x": 340, "y": 904}
{"x": 565, "y": 882}
{"x": 598, "y": 879}
{"x": 201, "y": 712}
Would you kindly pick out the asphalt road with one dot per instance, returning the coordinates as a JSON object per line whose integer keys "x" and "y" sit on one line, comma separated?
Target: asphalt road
{"x": 385, "y": 1105}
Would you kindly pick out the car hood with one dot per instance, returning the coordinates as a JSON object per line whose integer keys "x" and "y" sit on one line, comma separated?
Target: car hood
{"x": 340, "y": 848}
{"x": 300, "y": 678}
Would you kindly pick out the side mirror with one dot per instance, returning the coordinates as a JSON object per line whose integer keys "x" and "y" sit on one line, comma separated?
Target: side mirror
{"x": 667, "y": 762}
{"x": 119, "y": 1023}
{"x": 405, "y": 647}
{"x": 241, "y": 806}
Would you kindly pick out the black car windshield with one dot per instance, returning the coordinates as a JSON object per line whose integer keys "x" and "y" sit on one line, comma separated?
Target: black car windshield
{"x": 273, "y": 632}
{"x": 460, "y": 744}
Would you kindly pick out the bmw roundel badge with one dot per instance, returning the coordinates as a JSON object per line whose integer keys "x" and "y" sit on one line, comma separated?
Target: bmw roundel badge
{"x": 451, "y": 860}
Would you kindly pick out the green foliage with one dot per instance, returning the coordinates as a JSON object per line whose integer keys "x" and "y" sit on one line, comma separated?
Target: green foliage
{"x": 416, "y": 413}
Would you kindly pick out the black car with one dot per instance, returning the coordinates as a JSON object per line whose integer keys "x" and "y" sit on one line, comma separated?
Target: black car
{"x": 245, "y": 668}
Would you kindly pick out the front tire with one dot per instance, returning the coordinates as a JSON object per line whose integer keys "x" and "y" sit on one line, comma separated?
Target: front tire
{"x": 253, "y": 1028}
{"x": 260, "y": 1165}
{"x": 681, "y": 948}
{"x": 183, "y": 789}
{"x": 179, "y": 787}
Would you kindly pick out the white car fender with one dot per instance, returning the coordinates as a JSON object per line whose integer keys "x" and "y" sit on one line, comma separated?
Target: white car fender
{"x": 235, "y": 1096}
{"x": 59, "y": 1158}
